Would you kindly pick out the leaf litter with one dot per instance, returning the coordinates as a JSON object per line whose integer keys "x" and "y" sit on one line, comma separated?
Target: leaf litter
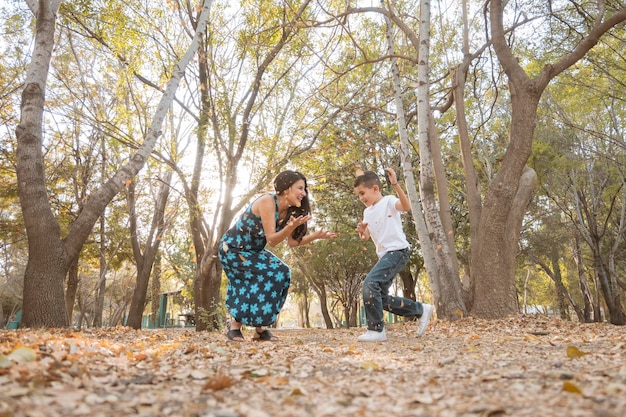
{"x": 521, "y": 366}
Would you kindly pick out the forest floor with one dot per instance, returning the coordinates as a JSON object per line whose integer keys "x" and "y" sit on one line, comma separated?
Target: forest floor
{"x": 522, "y": 366}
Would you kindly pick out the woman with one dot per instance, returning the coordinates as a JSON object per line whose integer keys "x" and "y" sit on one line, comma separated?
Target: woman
{"x": 258, "y": 281}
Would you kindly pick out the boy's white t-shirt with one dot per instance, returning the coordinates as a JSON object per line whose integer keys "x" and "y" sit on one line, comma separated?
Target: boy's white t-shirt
{"x": 385, "y": 225}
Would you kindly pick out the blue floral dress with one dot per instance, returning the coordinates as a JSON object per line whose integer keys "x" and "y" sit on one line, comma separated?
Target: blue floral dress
{"x": 258, "y": 281}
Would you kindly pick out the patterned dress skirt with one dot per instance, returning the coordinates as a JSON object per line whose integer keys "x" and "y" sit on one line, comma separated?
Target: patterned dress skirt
{"x": 258, "y": 281}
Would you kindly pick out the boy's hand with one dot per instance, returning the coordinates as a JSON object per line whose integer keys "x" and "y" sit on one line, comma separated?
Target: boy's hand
{"x": 361, "y": 227}
{"x": 404, "y": 204}
{"x": 362, "y": 230}
{"x": 391, "y": 174}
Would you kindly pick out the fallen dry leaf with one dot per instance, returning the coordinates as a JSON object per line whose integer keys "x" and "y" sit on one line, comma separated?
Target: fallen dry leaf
{"x": 574, "y": 352}
{"x": 22, "y": 354}
{"x": 369, "y": 365}
{"x": 493, "y": 413}
{"x": 4, "y": 361}
{"x": 569, "y": 386}
{"x": 218, "y": 382}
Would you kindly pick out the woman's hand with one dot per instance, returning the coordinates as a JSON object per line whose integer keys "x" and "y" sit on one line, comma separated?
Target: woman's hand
{"x": 318, "y": 234}
{"x": 294, "y": 222}
{"x": 298, "y": 221}
{"x": 324, "y": 234}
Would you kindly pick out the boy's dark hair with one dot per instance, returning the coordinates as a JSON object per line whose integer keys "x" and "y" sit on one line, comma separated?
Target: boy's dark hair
{"x": 368, "y": 179}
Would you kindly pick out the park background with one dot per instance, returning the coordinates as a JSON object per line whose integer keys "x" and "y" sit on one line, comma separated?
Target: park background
{"x": 133, "y": 133}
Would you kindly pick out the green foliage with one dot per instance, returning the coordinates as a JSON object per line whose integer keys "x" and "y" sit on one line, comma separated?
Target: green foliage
{"x": 578, "y": 156}
{"x": 536, "y": 288}
{"x": 340, "y": 265}
{"x": 216, "y": 315}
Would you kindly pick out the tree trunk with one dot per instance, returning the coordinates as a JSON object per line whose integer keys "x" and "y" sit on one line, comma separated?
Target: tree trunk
{"x": 618, "y": 315}
{"x": 304, "y": 308}
{"x": 320, "y": 289}
{"x": 324, "y": 307}
{"x": 44, "y": 278}
{"x": 207, "y": 283}
{"x": 472, "y": 183}
{"x": 81, "y": 313}
{"x": 610, "y": 290}
{"x": 156, "y": 290}
{"x": 138, "y": 302}
{"x": 347, "y": 315}
{"x": 207, "y": 294}
{"x": 448, "y": 300}
{"x": 44, "y": 299}
{"x": 354, "y": 313}
{"x": 591, "y": 229}
{"x": 72, "y": 288}
{"x": 117, "y": 316}
{"x": 493, "y": 256}
{"x": 445, "y": 213}
{"x": 563, "y": 295}
{"x": 98, "y": 308}
{"x": 584, "y": 285}
{"x": 145, "y": 261}
{"x": 561, "y": 291}
{"x": 408, "y": 284}
{"x": 428, "y": 252}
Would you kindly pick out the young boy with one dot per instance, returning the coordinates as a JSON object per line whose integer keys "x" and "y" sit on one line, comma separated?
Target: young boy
{"x": 382, "y": 222}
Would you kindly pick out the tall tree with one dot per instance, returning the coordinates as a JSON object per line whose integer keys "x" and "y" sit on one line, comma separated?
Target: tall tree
{"x": 146, "y": 258}
{"x": 50, "y": 254}
{"x": 507, "y": 197}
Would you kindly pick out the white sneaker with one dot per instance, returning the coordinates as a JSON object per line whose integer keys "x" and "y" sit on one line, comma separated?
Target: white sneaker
{"x": 373, "y": 336}
{"x": 423, "y": 323}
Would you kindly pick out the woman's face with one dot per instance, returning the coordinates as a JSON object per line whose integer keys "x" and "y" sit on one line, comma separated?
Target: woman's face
{"x": 296, "y": 193}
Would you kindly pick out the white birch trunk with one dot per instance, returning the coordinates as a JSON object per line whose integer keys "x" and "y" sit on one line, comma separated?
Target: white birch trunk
{"x": 449, "y": 302}
{"x": 405, "y": 156}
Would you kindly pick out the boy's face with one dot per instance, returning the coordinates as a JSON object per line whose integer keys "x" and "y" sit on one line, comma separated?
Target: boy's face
{"x": 368, "y": 196}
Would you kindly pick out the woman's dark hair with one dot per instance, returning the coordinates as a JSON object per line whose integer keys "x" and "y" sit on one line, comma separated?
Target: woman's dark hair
{"x": 282, "y": 183}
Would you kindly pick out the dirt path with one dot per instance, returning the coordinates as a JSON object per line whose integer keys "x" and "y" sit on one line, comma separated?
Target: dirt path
{"x": 517, "y": 367}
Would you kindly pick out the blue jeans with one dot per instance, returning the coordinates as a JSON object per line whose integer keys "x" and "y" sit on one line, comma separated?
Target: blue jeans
{"x": 376, "y": 296}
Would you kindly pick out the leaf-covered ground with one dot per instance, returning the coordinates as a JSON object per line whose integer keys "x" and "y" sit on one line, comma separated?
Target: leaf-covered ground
{"x": 525, "y": 366}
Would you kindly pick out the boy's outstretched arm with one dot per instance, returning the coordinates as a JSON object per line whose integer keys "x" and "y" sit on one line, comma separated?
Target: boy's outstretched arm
{"x": 405, "y": 204}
